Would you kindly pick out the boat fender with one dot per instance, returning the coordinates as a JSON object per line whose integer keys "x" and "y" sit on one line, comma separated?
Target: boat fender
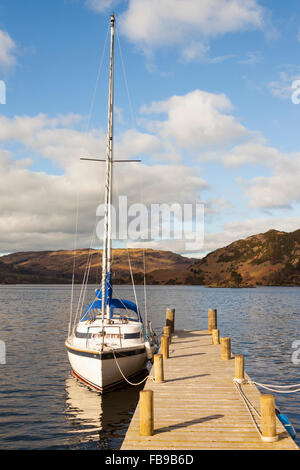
{"x": 148, "y": 350}
{"x": 286, "y": 423}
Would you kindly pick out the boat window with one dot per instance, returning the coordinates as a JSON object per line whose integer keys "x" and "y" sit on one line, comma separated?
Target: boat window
{"x": 122, "y": 313}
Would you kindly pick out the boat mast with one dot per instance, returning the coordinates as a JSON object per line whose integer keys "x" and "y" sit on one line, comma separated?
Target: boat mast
{"x": 106, "y": 254}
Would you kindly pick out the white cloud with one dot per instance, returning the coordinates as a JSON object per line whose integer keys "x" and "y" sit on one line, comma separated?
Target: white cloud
{"x": 199, "y": 52}
{"x": 196, "y": 120}
{"x": 99, "y": 6}
{"x": 168, "y": 22}
{"x": 279, "y": 189}
{"x": 251, "y": 152}
{"x": 134, "y": 143}
{"x": 7, "y": 50}
{"x": 23, "y": 127}
{"x": 196, "y": 50}
{"x": 188, "y": 24}
{"x": 231, "y": 232}
{"x": 37, "y": 210}
{"x": 240, "y": 229}
{"x": 251, "y": 58}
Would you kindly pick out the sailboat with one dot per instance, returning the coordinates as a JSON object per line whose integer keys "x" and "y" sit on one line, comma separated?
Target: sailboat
{"x": 110, "y": 344}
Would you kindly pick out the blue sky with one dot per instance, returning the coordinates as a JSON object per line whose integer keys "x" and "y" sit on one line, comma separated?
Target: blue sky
{"x": 210, "y": 86}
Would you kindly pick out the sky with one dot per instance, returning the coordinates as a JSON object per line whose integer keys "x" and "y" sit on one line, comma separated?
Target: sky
{"x": 206, "y": 95}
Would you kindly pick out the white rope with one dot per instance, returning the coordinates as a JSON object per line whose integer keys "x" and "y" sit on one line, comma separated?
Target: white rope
{"x": 125, "y": 378}
{"x": 276, "y": 388}
{"x": 248, "y": 405}
{"x": 246, "y": 398}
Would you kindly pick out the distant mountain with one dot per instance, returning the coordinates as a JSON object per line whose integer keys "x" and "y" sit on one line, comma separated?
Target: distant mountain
{"x": 162, "y": 267}
{"x": 269, "y": 259}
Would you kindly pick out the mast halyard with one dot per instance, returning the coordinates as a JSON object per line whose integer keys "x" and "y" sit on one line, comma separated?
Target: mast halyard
{"x": 106, "y": 254}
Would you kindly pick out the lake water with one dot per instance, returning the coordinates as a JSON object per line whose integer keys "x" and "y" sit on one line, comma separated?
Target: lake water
{"x": 43, "y": 407}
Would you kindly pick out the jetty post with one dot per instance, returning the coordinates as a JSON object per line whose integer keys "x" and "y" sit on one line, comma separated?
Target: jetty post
{"x": 268, "y": 418}
{"x": 239, "y": 369}
{"x": 165, "y": 347}
{"x": 167, "y": 332}
{"x": 170, "y": 319}
{"x": 215, "y": 334}
{"x": 225, "y": 349}
{"x": 146, "y": 413}
{"x": 212, "y": 319}
{"x": 158, "y": 368}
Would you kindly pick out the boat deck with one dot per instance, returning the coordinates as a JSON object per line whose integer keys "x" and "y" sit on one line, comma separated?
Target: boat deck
{"x": 198, "y": 406}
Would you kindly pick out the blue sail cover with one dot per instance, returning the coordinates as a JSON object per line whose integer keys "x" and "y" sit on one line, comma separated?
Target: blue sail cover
{"x": 113, "y": 303}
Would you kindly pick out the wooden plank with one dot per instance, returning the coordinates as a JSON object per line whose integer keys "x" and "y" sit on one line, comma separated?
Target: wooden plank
{"x": 198, "y": 406}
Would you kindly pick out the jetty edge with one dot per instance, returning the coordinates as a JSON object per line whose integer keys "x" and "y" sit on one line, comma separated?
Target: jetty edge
{"x": 196, "y": 404}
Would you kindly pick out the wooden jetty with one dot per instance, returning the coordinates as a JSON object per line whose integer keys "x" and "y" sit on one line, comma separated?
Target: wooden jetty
{"x": 197, "y": 405}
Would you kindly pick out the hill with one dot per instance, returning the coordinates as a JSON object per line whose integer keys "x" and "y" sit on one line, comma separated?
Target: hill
{"x": 270, "y": 259}
{"x": 162, "y": 267}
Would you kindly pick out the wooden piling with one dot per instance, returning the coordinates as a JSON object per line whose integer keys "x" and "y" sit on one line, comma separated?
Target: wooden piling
{"x": 167, "y": 332}
{"x": 170, "y": 319}
{"x": 212, "y": 319}
{"x": 146, "y": 413}
{"x": 225, "y": 349}
{"x": 158, "y": 368}
{"x": 215, "y": 334}
{"x": 239, "y": 372}
{"x": 268, "y": 418}
{"x": 165, "y": 347}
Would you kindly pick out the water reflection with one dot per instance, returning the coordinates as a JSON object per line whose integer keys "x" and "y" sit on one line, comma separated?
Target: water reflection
{"x": 99, "y": 420}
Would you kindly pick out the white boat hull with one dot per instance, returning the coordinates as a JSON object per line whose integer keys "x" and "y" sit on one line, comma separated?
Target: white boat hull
{"x": 100, "y": 370}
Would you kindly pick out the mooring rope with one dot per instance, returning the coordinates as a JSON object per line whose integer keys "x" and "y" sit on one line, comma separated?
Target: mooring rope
{"x": 125, "y": 378}
{"x": 276, "y": 388}
{"x": 248, "y": 405}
